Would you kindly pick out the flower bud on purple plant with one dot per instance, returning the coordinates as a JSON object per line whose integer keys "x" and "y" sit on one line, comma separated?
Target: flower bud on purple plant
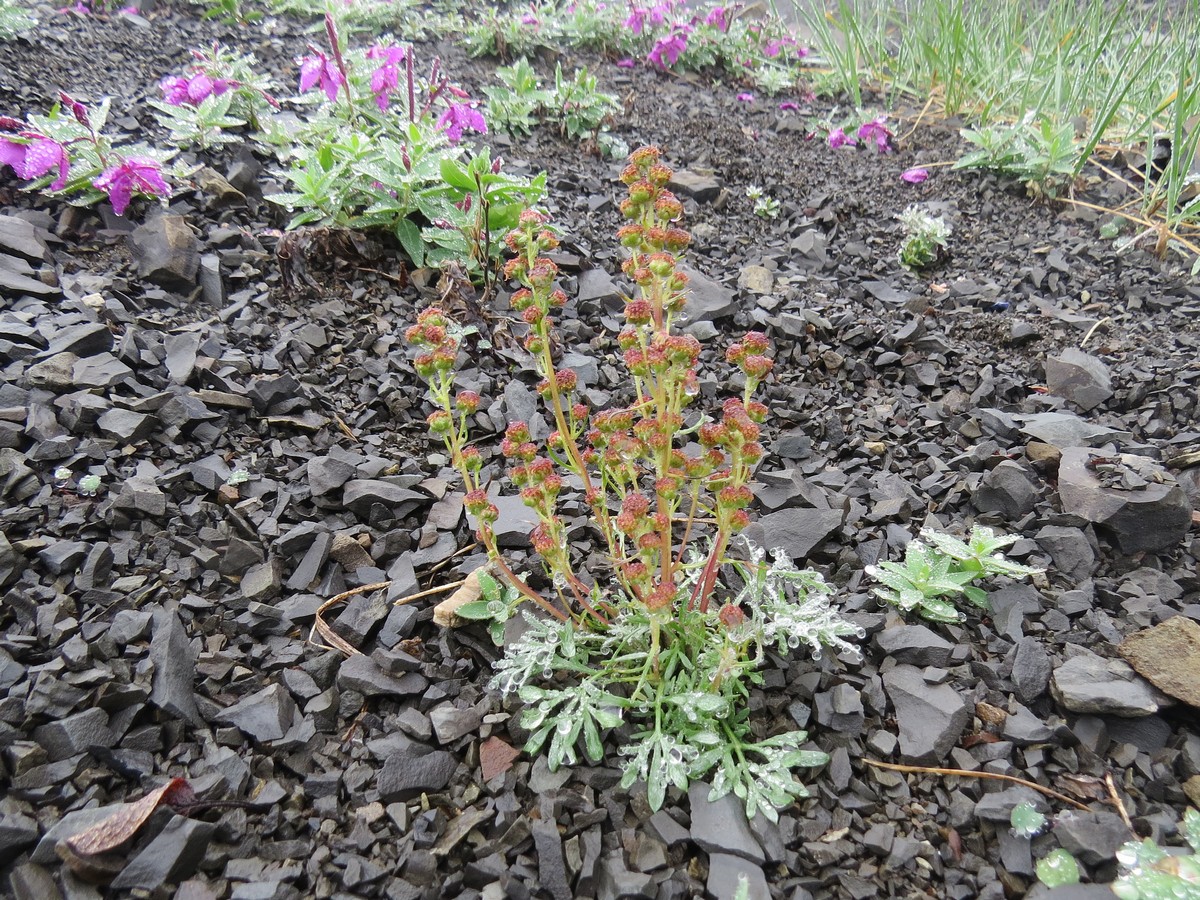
{"x": 756, "y": 342}
{"x": 439, "y": 422}
{"x": 467, "y": 401}
{"x": 658, "y": 175}
{"x": 557, "y": 299}
{"x": 566, "y": 380}
{"x": 532, "y": 315}
{"x": 756, "y": 411}
{"x": 534, "y": 344}
{"x": 678, "y": 281}
{"x": 472, "y": 459}
{"x": 677, "y": 240}
{"x": 731, "y": 616}
{"x": 667, "y": 207}
{"x": 630, "y": 174}
{"x": 644, "y": 156}
{"x": 78, "y": 110}
{"x": 641, "y": 192}
{"x": 579, "y": 412}
{"x": 515, "y": 268}
{"x": 475, "y": 501}
{"x": 541, "y": 275}
{"x": 542, "y": 540}
{"x": 660, "y": 598}
{"x": 661, "y": 264}
{"x": 424, "y": 364}
{"x": 546, "y": 241}
{"x": 739, "y": 520}
{"x": 627, "y": 337}
{"x": 757, "y": 367}
{"x": 638, "y": 312}
{"x": 629, "y": 235}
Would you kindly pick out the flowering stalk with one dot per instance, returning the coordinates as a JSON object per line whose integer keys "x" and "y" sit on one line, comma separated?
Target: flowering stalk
{"x": 435, "y": 334}
{"x": 635, "y": 473}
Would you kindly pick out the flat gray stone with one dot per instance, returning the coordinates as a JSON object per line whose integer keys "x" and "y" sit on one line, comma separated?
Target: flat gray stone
{"x": 173, "y": 687}
{"x": 720, "y": 826}
{"x": 265, "y": 715}
{"x": 930, "y": 717}
{"x": 726, "y": 871}
{"x": 1088, "y": 683}
{"x": 404, "y": 777}
{"x": 171, "y": 857}
{"x": 1079, "y": 377}
{"x": 797, "y": 530}
{"x": 166, "y": 252}
{"x": 1138, "y": 502}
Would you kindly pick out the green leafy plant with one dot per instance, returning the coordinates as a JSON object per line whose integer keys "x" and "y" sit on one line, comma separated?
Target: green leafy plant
{"x": 765, "y": 206}
{"x": 384, "y": 150}
{"x": 1027, "y": 821}
{"x": 15, "y": 19}
{"x": 1043, "y": 154}
{"x": 229, "y": 12}
{"x": 1057, "y": 868}
{"x": 581, "y": 108}
{"x": 940, "y": 568}
{"x": 221, "y": 90}
{"x": 497, "y": 604}
{"x": 517, "y": 101}
{"x": 1147, "y": 872}
{"x": 925, "y": 237}
{"x": 658, "y": 643}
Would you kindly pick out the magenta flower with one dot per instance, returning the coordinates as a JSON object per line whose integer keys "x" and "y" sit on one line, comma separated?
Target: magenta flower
{"x": 625, "y": 63}
{"x": 35, "y": 159}
{"x": 914, "y": 176}
{"x": 179, "y": 90}
{"x": 717, "y": 17}
{"x": 135, "y": 175}
{"x": 789, "y": 106}
{"x": 666, "y": 51}
{"x": 459, "y": 116}
{"x": 876, "y": 131}
{"x": 529, "y": 19}
{"x": 839, "y": 138}
{"x": 745, "y": 97}
{"x": 636, "y": 20}
{"x": 386, "y": 78}
{"x": 320, "y": 69}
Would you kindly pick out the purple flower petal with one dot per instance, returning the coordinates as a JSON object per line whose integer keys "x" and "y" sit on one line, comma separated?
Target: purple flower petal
{"x": 137, "y": 174}
{"x": 625, "y": 63}
{"x": 914, "y": 176}
{"x": 12, "y": 154}
{"x": 789, "y": 106}
{"x": 839, "y": 138}
{"x": 745, "y": 97}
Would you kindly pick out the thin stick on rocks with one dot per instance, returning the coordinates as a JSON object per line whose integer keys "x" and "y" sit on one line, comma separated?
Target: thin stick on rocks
{"x": 966, "y": 773}
{"x": 319, "y": 626}
{"x": 1116, "y": 801}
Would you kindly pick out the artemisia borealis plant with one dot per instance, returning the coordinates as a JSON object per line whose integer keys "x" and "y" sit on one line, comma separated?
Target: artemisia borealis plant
{"x": 640, "y": 637}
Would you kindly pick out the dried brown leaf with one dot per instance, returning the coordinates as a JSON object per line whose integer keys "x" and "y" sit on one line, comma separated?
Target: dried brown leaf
{"x": 114, "y": 831}
{"x": 469, "y": 592}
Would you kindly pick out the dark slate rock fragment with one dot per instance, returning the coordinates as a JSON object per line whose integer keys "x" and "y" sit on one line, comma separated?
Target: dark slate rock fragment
{"x": 63, "y": 556}
{"x": 1030, "y": 669}
{"x": 404, "y": 777}
{"x": 17, "y": 833}
{"x": 840, "y": 709}
{"x": 1006, "y": 489}
{"x": 267, "y": 392}
{"x": 362, "y": 674}
{"x": 930, "y": 717}
{"x": 73, "y": 735}
{"x": 450, "y": 722}
{"x": 708, "y": 300}
{"x": 915, "y": 645}
{"x": 262, "y": 582}
{"x": 552, "y": 868}
{"x": 798, "y": 531}
{"x": 1070, "y": 549}
{"x": 720, "y": 826}
{"x": 83, "y": 339}
{"x": 328, "y": 473}
{"x": 1088, "y": 683}
{"x": 1091, "y": 837}
{"x": 126, "y": 426}
{"x": 265, "y": 715}
{"x": 173, "y": 687}
{"x": 1079, "y": 377}
{"x": 172, "y": 856}
{"x": 725, "y": 872}
{"x": 615, "y": 882}
{"x": 309, "y": 569}
{"x": 1138, "y": 501}
{"x": 362, "y": 494}
{"x": 702, "y": 187}
{"x": 167, "y": 252}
